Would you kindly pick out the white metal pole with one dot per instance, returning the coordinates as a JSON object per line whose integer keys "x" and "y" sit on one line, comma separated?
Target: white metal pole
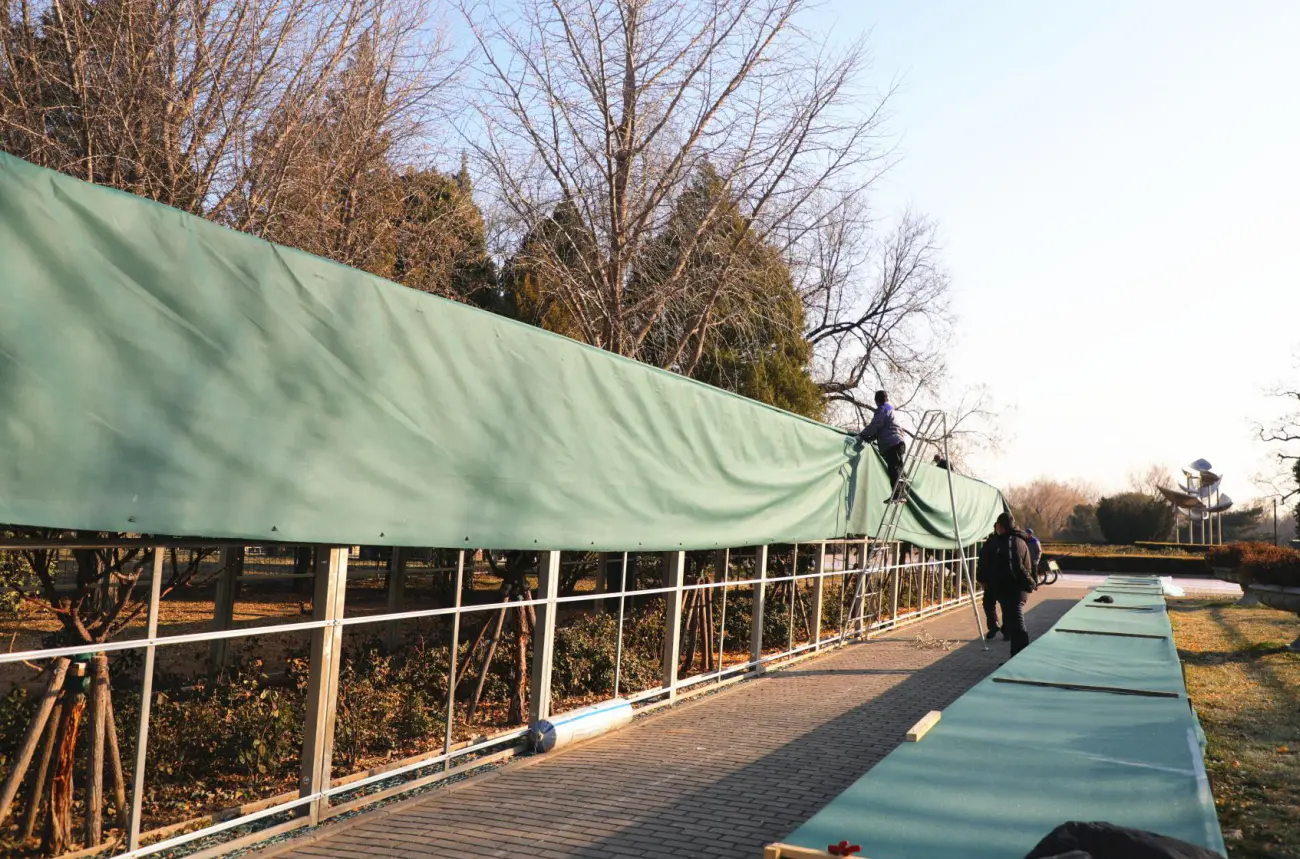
{"x": 618, "y": 648}
{"x": 758, "y": 603}
{"x": 674, "y": 577}
{"x": 146, "y": 703}
{"x": 956, "y": 531}
{"x": 722, "y": 559}
{"x": 451, "y": 671}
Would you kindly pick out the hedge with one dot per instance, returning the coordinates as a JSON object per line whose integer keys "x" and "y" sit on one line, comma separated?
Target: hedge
{"x": 1152, "y": 565}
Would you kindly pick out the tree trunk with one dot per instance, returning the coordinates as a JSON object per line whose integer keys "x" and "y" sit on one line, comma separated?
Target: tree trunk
{"x": 519, "y": 696}
{"x": 94, "y": 831}
{"x": 302, "y": 565}
{"x": 58, "y": 829}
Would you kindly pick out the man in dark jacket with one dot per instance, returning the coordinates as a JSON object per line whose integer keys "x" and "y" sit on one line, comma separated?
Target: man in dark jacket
{"x": 1010, "y": 576}
{"x": 884, "y": 432}
{"x": 990, "y": 598}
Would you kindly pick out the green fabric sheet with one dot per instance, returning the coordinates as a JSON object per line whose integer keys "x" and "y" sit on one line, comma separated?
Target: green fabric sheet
{"x": 926, "y": 520}
{"x": 1007, "y": 763}
{"x": 1152, "y": 621}
{"x": 954, "y": 797}
{"x": 1112, "y": 662}
{"x": 161, "y": 374}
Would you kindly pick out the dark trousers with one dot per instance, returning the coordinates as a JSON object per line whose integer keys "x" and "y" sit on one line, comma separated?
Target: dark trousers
{"x": 894, "y": 464}
{"x": 1013, "y": 619}
{"x": 990, "y": 602}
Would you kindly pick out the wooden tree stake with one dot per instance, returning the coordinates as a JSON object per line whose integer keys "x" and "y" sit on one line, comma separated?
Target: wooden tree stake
{"x": 57, "y": 670}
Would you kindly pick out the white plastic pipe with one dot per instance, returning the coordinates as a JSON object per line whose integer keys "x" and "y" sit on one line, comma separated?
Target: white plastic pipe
{"x": 580, "y": 724}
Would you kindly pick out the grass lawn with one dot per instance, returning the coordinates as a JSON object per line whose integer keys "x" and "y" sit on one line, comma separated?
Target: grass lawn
{"x": 1246, "y": 689}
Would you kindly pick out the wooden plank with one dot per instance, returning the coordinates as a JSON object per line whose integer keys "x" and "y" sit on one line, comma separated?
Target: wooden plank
{"x": 921, "y": 728}
{"x": 790, "y": 851}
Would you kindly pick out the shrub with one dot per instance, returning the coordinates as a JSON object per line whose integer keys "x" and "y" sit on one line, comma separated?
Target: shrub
{"x": 1132, "y": 517}
{"x": 1151, "y": 565}
{"x": 1271, "y": 565}
{"x": 586, "y": 650}
{"x": 1228, "y": 556}
{"x": 1259, "y": 562}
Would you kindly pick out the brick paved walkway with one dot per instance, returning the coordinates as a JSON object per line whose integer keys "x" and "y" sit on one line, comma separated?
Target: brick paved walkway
{"x": 717, "y": 777}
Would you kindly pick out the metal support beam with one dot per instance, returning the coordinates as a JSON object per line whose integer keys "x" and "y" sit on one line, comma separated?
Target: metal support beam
{"x": 146, "y": 702}
{"x": 548, "y": 588}
{"x": 895, "y": 577}
{"x": 223, "y": 612}
{"x": 396, "y": 596}
{"x": 818, "y": 594}
{"x": 760, "y": 597}
{"x": 323, "y": 680}
{"x": 721, "y": 572}
{"x": 674, "y": 566}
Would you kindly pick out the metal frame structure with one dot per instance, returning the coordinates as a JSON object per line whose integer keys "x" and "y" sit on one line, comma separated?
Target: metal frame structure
{"x": 834, "y": 560}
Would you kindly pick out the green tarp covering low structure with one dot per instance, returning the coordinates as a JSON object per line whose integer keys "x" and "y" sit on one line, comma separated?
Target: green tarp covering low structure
{"x": 161, "y": 374}
{"x": 1007, "y": 762}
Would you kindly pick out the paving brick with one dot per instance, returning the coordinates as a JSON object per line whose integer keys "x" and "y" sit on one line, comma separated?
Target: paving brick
{"x": 717, "y": 777}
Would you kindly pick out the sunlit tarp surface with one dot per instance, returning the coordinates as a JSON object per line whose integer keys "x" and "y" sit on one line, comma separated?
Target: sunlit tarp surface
{"x": 1008, "y": 762}
{"x": 161, "y": 374}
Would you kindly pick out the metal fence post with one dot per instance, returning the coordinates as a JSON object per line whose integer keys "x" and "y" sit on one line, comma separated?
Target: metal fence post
{"x": 675, "y": 578}
{"x": 548, "y": 588}
{"x": 760, "y": 596}
{"x": 396, "y": 596}
{"x": 896, "y": 557}
{"x": 323, "y": 680}
{"x": 818, "y": 594}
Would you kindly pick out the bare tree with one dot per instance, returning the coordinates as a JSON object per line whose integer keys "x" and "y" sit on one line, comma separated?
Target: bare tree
{"x": 1046, "y": 505}
{"x": 1149, "y": 481}
{"x": 248, "y": 112}
{"x": 283, "y": 118}
{"x": 878, "y": 313}
{"x": 611, "y": 107}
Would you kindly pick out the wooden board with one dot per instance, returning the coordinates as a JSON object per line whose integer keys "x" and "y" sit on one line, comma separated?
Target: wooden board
{"x": 789, "y": 851}
{"x": 921, "y": 728}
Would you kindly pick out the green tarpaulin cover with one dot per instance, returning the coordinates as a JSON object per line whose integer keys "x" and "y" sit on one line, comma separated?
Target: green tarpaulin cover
{"x": 162, "y": 374}
{"x": 1113, "y": 662}
{"x": 1007, "y": 763}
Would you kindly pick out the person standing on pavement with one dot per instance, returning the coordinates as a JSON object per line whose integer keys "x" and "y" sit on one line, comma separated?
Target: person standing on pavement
{"x": 1011, "y": 577}
{"x": 989, "y": 599}
{"x": 1035, "y": 550}
{"x": 884, "y": 432}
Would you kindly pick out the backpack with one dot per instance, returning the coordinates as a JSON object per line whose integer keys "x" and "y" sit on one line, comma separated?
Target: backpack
{"x": 1029, "y": 584}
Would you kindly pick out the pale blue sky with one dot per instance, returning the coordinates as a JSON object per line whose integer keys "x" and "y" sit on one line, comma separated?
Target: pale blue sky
{"x": 1116, "y": 184}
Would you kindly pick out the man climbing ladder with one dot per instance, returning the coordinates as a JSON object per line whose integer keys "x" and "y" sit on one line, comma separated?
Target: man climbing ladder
{"x": 884, "y": 432}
